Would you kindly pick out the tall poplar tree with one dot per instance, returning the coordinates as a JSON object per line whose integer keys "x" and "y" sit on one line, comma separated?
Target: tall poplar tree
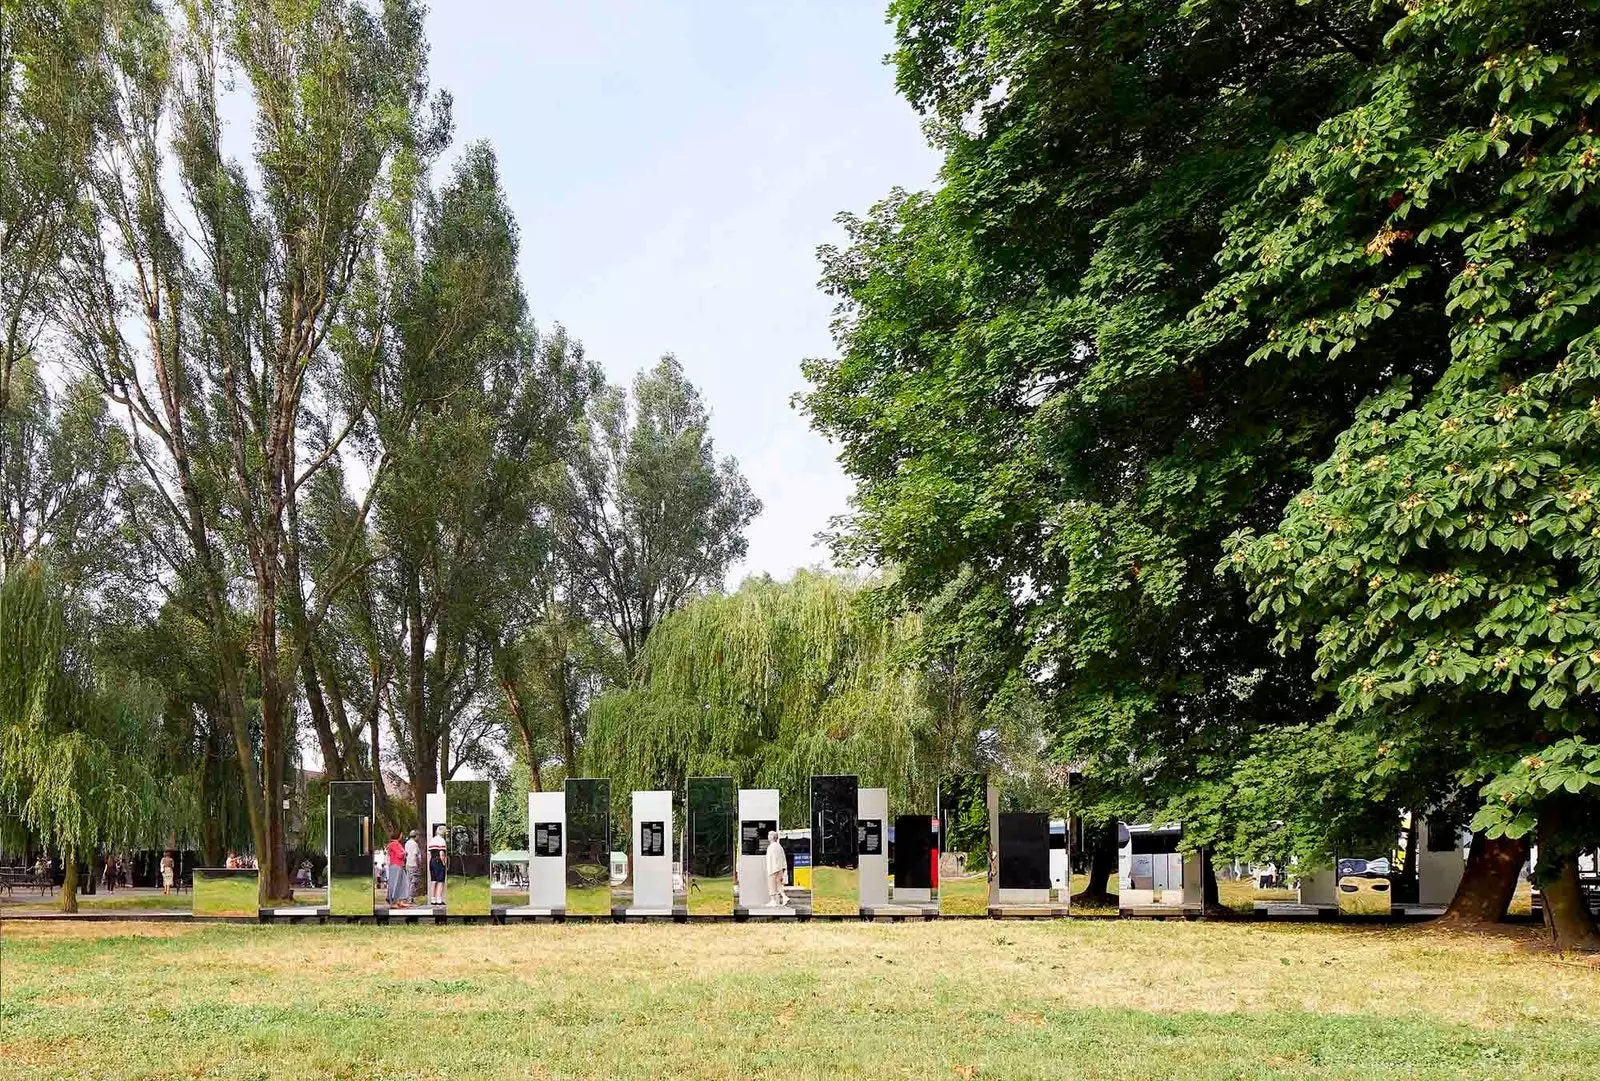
{"x": 204, "y": 297}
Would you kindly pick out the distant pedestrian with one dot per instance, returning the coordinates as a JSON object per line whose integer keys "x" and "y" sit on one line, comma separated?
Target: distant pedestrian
{"x": 168, "y": 870}
{"x": 777, "y": 870}
{"x": 436, "y": 866}
{"x": 413, "y": 866}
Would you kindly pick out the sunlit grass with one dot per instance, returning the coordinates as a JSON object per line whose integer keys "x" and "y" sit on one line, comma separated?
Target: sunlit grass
{"x": 1069, "y": 999}
{"x": 964, "y": 896}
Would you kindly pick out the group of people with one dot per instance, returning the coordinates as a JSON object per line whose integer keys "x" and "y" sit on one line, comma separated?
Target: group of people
{"x": 237, "y": 862}
{"x": 400, "y": 862}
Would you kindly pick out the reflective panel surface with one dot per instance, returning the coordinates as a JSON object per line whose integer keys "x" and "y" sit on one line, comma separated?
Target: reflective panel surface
{"x": 1364, "y": 886}
{"x": 350, "y": 839}
{"x": 223, "y": 891}
{"x": 966, "y": 849}
{"x": 710, "y": 826}
{"x": 834, "y": 888}
{"x": 588, "y": 847}
{"x": 466, "y": 808}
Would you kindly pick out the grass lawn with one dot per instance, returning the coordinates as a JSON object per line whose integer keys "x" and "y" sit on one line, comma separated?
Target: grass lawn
{"x": 100, "y": 902}
{"x": 967, "y": 896}
{"x": 1086, "y": 999}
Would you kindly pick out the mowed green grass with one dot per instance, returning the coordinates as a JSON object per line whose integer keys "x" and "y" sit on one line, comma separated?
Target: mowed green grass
{"x": 1093, "y": 999}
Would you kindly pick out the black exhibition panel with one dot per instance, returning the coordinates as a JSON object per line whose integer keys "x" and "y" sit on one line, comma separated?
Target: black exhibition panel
{"x": 912, "y": 865}
{"x": 1024, "y": 850}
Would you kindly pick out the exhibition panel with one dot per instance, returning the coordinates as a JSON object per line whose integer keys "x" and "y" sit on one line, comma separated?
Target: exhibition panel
{"x": 834, "y": 872}
{"x": 227, "y": 891}
{"x": 758, "y": 821}
{"x": 1024, "y": 875}
{"x": 1153, "y": 874}
{"x": 350, "y": 841}
{"x": 588, "y": 844}
{"x": 916, "y": 860}
{"x": 467, "y": 883}
{"x": 967, "y": 803}
{"x": 547, "y": 855}
{"x": 646, "y": 889}
{"x": 710, "y": 844}
{"x": 872, "y": 847}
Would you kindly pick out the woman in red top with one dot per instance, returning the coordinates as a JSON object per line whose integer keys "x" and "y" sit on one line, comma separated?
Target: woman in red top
{"x": 398, "y": 893}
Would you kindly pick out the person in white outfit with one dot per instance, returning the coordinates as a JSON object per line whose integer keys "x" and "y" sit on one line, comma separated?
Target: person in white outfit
{"x": 777, "y": 870}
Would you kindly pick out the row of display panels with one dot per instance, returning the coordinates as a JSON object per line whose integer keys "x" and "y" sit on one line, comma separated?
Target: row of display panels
{"x": 964, "y": 859}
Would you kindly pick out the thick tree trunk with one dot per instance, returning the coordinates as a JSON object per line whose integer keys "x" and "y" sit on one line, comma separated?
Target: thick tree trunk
{"x": 255, "y": 796}
{"x": 1102, "y": 865}
{"x": 69, "y": 881}
{"x": 349, "y": 749}
{"x": 273, "y": 862}
{"x": 332, "y": 760}
{"x": 1489, "y": 881}
{"x": 1566, "y": 911}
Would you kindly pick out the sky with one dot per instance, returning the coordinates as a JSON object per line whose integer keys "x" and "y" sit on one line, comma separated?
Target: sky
{"x": 673, "y": 168}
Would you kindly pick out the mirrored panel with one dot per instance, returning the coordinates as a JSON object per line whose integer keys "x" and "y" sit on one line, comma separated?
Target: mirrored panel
{"x": 350, "y": 839}
{"x": 467, "y": 884}
{"x": 1365, "y": 886}
{"x": 914, "y": 860}
{"x": 966, "y": 849}
{"x": 588, "y": 845}
{"x": 834, "y": 887}
{"x": 710, "y": 828}
{"x": 226, "y": 891}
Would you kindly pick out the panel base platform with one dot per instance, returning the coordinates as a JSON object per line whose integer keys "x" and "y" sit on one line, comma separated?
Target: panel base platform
{"x": 1162, "y": 912}
{"x": 1029, "y": 912}
{"x": 771, "y": 912}
{"x": 294, "y": 914}
{"x": 899, "y": 913}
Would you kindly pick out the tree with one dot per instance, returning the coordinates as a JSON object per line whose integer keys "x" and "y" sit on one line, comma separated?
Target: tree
{"x": 473, "y": 413}
{"x": 1022, "y": 395}
{"x": 74, "y": 743}
{"x": 62, "y": 463}
{"x": 51, "y": 101}
{"x": 209, "y": 325}
{"x": 782, "y": 680}
{"x": 1443, "y": 559}
{"x": 650, "y": 518}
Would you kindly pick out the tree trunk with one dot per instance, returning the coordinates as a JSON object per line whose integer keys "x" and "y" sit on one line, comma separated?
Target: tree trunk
{"x": 273, "y": 862}
{"x": 332, "y": 760}
{"x": 1488, "y": 883}
{"x": 69, "y": 881}
{"x": 1566, "y": 911}
{"x": 255, "y": 796}
{"x": 1102, "y": 865}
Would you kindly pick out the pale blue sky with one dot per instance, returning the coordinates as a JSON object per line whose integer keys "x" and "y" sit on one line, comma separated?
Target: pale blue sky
{"x": 673, "y": 167}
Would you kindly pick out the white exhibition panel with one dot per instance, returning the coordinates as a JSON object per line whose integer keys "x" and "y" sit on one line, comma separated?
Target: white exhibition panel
{"x": 1438, "y": 873}
{"x": 1060, "y": 871}
{"x": 436, "y": 816}
{"x": 652, "y": 852}
{"x": 872, "y": 805}
{"x": 756, "y": 805}
{"x": 547, "y": 850}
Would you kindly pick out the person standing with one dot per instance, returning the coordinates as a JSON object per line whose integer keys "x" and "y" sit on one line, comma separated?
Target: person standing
{"x": 413, "y": 866}
{"x": 777, "y": 870}
{"x": 168, "y": 869}
{"x": 397, "y": 870}
{"x": 436, "y": 866}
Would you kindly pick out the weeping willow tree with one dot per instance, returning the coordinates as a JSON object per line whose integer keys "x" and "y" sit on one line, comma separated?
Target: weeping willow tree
{"x": 75, "y": 746}
{"x": 777, "y": 682}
